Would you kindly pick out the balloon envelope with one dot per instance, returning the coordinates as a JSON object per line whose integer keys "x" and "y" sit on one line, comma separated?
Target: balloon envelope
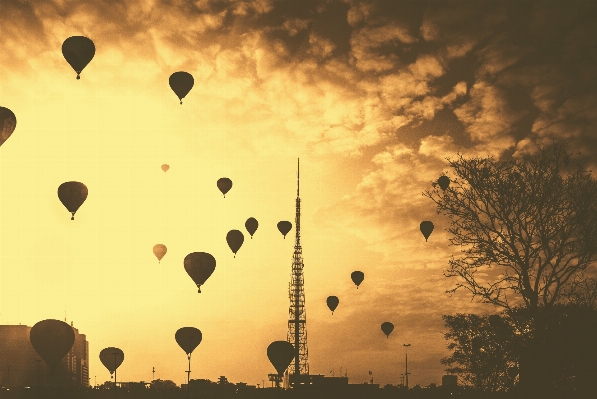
{"x": 181, "y": 83}
{"x": 111, "y": 358}
{"x": 332, "y": 302}
{"x": 426, "y": 228}
{"x": 251, "y": 225}
{"x": 235, "y": 239}
{"x": 357, "y": 278}
{"x": 78, "y": 51}
{"x": 52, "y": 340}
{"x": 284, "y": 227}
{"x": 8, "y": 122}
{"x": 188, "y": 338}
{"x": 224, "y": 184}
{"x": 387, "y": 328}
{"x": 280, "y": 354}
{"x": 199, "y": 265}
{"x": 444, "y": 182}
{"x": 72, "y": 194}
{"x": 159, "y": 250}
{"x": 165, "y": 167}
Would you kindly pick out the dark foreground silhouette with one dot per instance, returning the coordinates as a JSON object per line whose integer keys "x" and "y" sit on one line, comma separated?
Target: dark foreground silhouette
{"x": 239, "y": 391}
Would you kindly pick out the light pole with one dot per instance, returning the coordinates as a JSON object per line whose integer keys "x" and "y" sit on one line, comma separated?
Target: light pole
{"x": 153, "y": 374}
{"x": 406, "y": 373}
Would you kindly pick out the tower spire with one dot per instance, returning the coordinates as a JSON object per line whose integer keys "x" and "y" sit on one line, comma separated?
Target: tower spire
{"x": 297, "y": 329}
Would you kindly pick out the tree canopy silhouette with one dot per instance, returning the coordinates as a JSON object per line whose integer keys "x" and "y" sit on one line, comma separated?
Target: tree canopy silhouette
{"x": 527, "y": 227}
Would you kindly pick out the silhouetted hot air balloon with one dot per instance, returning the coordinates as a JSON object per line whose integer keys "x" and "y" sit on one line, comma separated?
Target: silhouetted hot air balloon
{"x": 426, "y": 228}
{"x": 8, "y": 122}
{"x": 181, "y": 83}
{"x": 159, "y": 250}
{"x": 332, "y": 302}
{"x": 52, "y": 340}
{"x": 357, "y": 278}
{"x": 387, "y": 328}
{"x": 444, "y": 182}
{"x": 280, "y": 354}
{"x": 235, "y": 239}
{"x": 251, "y": 225}
{"x": 224, "y": 184}
{"x": 111, "y": 358}
{"x": 78, "y": 51}
{"x": 284, "y": 227}
{"x": 72, "y": 194}
{"x": 199, "y": 265}
{"x": 165, "y": 168}
{"x": 188, "y": 338}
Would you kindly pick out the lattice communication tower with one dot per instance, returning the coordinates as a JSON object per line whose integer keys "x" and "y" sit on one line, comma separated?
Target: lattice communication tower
{"x": 297, "y": 320}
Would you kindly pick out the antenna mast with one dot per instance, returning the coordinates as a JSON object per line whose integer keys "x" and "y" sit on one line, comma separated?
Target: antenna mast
{"x": 297, "y": 331}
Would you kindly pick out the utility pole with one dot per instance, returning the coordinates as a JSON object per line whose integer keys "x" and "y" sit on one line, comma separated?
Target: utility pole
{"x": 153, "y": 374}
{"x": 406, "y": 373}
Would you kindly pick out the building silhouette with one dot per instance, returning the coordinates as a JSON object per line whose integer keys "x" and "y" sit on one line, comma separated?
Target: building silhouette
{"x": 21, "y": 366}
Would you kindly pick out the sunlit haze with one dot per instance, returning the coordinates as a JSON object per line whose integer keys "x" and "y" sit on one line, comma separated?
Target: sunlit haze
{"x": 372, "y": 96}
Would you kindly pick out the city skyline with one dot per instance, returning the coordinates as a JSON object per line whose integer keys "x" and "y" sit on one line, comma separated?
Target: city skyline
{"x": 372, "y": 96}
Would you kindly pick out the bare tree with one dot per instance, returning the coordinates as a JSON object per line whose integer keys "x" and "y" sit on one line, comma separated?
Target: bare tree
{"x": 528, "y": 227}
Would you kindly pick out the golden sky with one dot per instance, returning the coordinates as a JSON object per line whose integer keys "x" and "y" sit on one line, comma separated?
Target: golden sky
{"x": 372, "y": 96}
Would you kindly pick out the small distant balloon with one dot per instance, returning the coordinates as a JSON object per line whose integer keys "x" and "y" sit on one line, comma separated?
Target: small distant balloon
{"x": 251, "y": 225}
{"x": 165, "y": 167}
{"x": 8, "y": 122}
{"x": 426, "y": 228}
{"x": 188, "y": 338}
{"x": 332, "y": 302}
{"x": 199, "y": 266}
{"x": 181, "y": 83}
{"x": 387, "y": 328}
{"x": 235, "y": 239}
{"x": 111, "y": 358}
{"x": 280, "y": 354}
{"x": 284, "y": 227}
{"x": 444, "y": 182}
{"x": 224, "y": 184}
{"x": 52, "y": 340}
{"x": 159, "y": 250}
{"x": 78, "y": 51}
{"x": 357, "y": 278}
{"x": 72, "y": 194}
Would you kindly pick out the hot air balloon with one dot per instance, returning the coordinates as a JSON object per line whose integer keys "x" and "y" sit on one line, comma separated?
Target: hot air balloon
{"x": 235, "y": 240}
{"x": 8, "y": 122}
{"x": 188, "y": 338}
{"x": 357, "y": 278}
{"x": 387, "y": 328}
{"x": 426, "y": 228}
{"x": 181, "y": 83}
{"x": 78, "y": 51}
{"x": 280, "y": 354}
{"x": 159, "y": 250}
{"x": 111, "y": 358}
{"x": 199, "y": 265}
{"x": 224, "y": 184}
{"x": 444, "y": 182}
{"x": 332, "y": 302}
{"x": 52, "y": 340}
{"x": 284, "y": 227}
{"x": 251, "y": 225}
{"x": 165, "y": 167}
{"x": 72, "y": 194}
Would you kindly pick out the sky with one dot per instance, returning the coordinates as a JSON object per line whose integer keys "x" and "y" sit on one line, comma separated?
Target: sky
{"x": 372, "y": 96}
